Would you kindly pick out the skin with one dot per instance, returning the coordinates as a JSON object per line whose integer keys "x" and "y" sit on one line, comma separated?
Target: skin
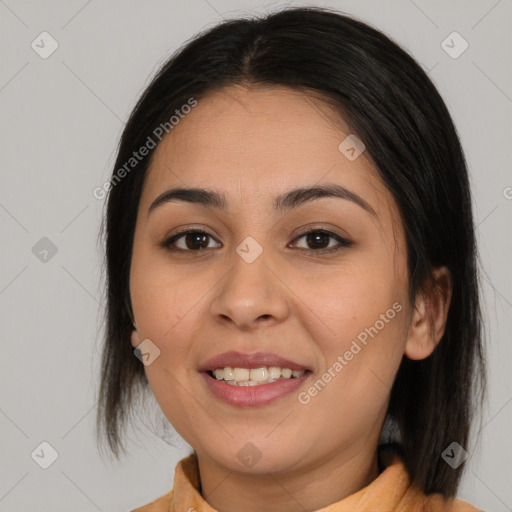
{"x": 251, "y": 144}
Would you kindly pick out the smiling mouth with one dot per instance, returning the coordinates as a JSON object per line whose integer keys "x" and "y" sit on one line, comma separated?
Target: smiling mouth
{"x": 254, "y": 376}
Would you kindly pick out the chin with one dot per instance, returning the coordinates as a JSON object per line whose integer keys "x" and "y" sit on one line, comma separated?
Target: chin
{"x": 256, "y": 458}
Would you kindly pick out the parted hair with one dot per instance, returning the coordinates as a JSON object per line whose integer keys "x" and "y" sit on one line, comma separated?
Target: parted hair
{"x": 394, "y": 108}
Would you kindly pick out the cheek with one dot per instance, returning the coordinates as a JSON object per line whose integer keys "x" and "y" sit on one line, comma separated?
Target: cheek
{"x": 175, "y": 398}
{"x": 351, "y": 391}
{"x": 358, "y": 321}
{"x": 169, "y": 310}
{"x": 167, "y": 307}
{"x": 349, "y": 297}
{"x": 166, "y": 296}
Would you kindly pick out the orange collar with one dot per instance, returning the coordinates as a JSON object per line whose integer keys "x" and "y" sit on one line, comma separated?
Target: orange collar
{"x": 390, "y": 491}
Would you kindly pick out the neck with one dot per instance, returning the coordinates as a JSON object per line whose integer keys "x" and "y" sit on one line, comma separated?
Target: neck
{"x": 306, "y": 488}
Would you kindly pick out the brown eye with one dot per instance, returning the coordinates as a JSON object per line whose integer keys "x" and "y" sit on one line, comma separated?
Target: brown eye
{"x": 192, "y": 240}
{"x": 320, "y": 241}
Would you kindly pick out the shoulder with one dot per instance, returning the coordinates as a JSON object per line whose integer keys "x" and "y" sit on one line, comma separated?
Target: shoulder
{"x": 437, "y": 503}
{"x": 413, "y": 498}
{"x": 162, "y": 504}
{"x": 463, "y": 506}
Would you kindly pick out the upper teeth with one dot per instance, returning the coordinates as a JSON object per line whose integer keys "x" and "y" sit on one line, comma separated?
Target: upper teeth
{"x": 255, "y": 376}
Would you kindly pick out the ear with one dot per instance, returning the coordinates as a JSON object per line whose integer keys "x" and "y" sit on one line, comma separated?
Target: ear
{"x": 135, "y": 337}
{"x": 429, "y": 316}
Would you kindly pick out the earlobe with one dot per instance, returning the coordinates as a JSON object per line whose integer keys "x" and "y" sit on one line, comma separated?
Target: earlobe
{"x": 429, "y": 316}
{"x": 135, "y": 338}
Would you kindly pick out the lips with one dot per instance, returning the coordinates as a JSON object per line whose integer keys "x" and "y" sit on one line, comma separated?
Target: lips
{"x": 235, "y": 359}
{"x": 254, "y": 396}
{"x": 256, "y": 393}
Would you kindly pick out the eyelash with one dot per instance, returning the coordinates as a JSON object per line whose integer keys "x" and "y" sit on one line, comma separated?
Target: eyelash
{"x": 343, "y": 242}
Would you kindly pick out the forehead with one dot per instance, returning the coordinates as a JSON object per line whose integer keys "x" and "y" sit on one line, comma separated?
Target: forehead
{"x": 260, "y": 141}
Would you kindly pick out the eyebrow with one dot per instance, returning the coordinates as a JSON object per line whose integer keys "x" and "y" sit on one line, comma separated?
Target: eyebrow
{"x": 285, "y": 202}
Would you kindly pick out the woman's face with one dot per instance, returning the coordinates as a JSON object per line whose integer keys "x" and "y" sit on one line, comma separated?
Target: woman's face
{"x": 257, "y": 282}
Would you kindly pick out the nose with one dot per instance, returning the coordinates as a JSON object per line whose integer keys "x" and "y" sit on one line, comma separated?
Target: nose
{"x": 250, "y": 295}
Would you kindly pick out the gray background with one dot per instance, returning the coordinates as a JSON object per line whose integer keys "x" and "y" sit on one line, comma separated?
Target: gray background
{"x": 61, "y": 118}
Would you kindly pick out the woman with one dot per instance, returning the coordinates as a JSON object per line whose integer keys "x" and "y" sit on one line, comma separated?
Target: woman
{"x": 290, "y": 255}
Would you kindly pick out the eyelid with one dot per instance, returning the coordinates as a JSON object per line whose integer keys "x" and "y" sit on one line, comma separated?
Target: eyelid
{"x": 320, "y": 227}
{"x": 171, "y": 239}
{"x": 343, "y": 242}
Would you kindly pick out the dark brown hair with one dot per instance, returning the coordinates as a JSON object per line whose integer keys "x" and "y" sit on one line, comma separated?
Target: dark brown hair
{"x": 394, "y": 108}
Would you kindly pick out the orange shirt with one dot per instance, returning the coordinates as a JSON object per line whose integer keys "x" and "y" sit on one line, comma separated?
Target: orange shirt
{"x": 390, "y": 491}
